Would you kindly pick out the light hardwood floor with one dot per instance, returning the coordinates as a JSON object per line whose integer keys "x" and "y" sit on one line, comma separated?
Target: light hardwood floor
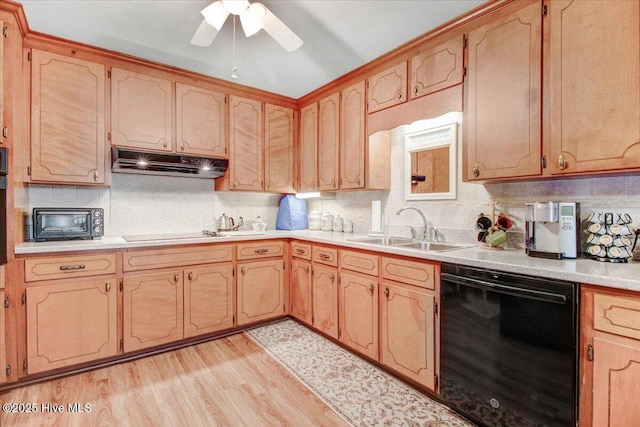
{"x": 227, "y": 382}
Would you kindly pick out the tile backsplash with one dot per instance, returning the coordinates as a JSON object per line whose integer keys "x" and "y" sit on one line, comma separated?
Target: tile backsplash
{"x": 141, "y": 204}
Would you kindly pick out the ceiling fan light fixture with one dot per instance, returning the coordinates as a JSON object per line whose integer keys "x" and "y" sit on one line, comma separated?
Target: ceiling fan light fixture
{"x": 215, "y": 14}
{"x": 236, "y": 6}
{"x": 252, "y": 19}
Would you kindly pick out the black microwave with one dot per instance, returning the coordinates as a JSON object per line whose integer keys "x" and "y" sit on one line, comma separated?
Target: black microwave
{"x": 67, "y": 223}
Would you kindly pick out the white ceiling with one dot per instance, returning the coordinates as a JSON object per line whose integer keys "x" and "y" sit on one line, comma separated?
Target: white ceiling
{"x": 338, "y": 35}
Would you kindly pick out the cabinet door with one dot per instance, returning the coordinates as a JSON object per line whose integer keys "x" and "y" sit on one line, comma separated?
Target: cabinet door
{"x": 437, "y": 68}
{"x": 616, "y": 369}
{"x": 358, "y": 315}
{"x": 67, "y": 120}
{"x": 278, "y": 149}
{"x": 352, "y": 137}
{"x": 309, "y": 147}
{"x": 245, "y": 143}
{"x": 503, "y": 114}
{"x": 388, "y": 88}
{"x": 201, "y": 121}
{"x": 140, "y": 111}
{"x": 153, "y": 311}
{"x": 301, "y": 290}
{"x": 328, "y": 142}
{"x": 407, "y": 335}
{"x": 325, "y": 300}
{"x": 3, "y": 348}
{"x": 208, "y": 299}
{"x": 260, "y": 291}
{"x": 594, "y": 86}
{"x": 71, "y": 323}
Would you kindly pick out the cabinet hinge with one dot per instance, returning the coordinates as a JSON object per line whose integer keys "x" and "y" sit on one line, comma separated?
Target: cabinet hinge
{"x": 24, "y": 365}
{"x": 8, "y": 370}
{"x": 5, "y": 132}
{"x": 544, "y": 10}
{"x": 262, "y": 107}
{"x": 29, "y": 170}
{"x": 464, "y": 72}
{"x": 284, "y": 265}
{"x": 29, "y": 56}
{"x": 6, "y": 302}
{"x": 5, "y": 31}
{"x": 121, "y": 286}
{"x": 233, "y": 272}
{"x": 24, "y": 298}
{"x": 543, "y": 162}
{"x": 590, "y": 352}
{"x": 284, "y": 308}
{"x": 108, "y": 74}
{"x": 435, "y": 308}
{"x": 121, "y": 344}
{"x": 109, "y": 136}
{"x": 339, "y": 332}
{"x": 435, "y": 381}
{"x": 465, "y": 40}
{"x": 225, "y": 99}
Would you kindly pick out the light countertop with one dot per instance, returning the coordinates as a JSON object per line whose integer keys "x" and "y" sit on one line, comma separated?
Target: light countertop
{"x": 620, "y": 276}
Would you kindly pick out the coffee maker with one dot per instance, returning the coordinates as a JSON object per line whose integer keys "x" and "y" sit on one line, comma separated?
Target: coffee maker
{"x": 552, "y": 229}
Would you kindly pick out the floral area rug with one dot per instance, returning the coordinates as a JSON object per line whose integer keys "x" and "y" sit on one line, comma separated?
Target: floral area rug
{"x": 361, "y": 393}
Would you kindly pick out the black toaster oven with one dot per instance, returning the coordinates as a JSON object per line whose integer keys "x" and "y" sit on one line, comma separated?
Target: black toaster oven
{"x": 67, "y": 223}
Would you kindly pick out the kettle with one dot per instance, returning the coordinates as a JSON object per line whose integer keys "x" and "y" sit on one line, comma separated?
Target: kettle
{"x": 225, "y": 223}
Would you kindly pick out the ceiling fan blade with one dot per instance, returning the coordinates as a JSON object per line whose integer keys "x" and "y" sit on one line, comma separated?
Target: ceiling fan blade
{"x": 280, "y": 32}
{"x": 204, "y": 35}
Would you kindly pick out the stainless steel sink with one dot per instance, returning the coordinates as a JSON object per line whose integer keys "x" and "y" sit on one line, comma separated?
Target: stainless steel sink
{"x": 435, "y": 246}
{"x": 386, "y": 240}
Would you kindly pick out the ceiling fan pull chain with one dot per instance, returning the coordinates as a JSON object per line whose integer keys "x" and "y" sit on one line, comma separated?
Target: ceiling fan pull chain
{"x": 234, "y": 69}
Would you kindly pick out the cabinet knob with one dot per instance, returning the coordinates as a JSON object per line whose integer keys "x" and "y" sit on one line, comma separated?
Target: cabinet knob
{"x": 182, "y": 146}
{"x": 371, "y": 289}
{"x": 334, "y": 183}
{"x": 333, "y": 277}
{"x": 96, "y": 175}
{"x": 107, "y": 287}
{"x": 562, "y": 162}
{"x": 243, "y": 271}
{"x": 386, "y": 292}
{"x": 175, "y": 277}
{"x": 190, "y": 276}
{"x": 358, "y": 180}
{"x": 476, "y": 170}
{"x": 400, "y": 95}
{"x": 306, "y": 268}
{"x": 165, "y": 143}
{"x": 415, "y": 91}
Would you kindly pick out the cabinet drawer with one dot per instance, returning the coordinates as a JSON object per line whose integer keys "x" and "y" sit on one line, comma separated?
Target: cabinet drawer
{"x": 262, "y": 249}
{"x": 161, "y": 258}
{"x": 301, "y": 250}
{"x": 322, "y": 255}
{"x": 412, "y": 272}
{"x": 69, "y": 266}
{"x": 617, "y": 315}
{"x": 360, "y": 262}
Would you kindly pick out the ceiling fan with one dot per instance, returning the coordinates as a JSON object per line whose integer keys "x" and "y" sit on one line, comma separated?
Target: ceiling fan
{"x": 253, "y": 17}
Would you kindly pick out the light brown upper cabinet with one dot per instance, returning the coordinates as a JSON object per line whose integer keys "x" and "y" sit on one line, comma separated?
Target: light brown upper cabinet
{"x": 278, "y": 149}
{"x": 352, "y": 137}
{"x": 388, "y": 88}
{"x": 67, "y": 120}
{"x": 437, "y": 68}
{"x": 594, "y": 85}
{"x": 308, "y": 157}
{"x": 328, "y": 142}
{"x": 141, "y": 111}
{"x": 504, "y": 88}
{"x": 246, "y": 144}
{"x": 201, "y": 121}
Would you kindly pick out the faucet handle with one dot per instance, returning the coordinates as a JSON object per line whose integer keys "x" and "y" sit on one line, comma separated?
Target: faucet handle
{"x": 413, "y": 231}
{"x": 435, "y": 234}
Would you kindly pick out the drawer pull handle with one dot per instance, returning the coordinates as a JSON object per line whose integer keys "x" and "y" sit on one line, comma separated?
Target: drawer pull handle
{"x": 261, "y": 251}
{"x": 300, "y": 251}
{"x": 323, "y": 256}
{"x": 72, "y": 267}
{"x": 107, "y": 287}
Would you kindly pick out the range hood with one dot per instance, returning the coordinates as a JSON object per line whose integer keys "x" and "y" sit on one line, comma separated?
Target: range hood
{"x": 126, "y": 160}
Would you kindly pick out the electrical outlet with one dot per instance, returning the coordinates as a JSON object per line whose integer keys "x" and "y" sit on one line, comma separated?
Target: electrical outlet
{"x": 360, "y": 217}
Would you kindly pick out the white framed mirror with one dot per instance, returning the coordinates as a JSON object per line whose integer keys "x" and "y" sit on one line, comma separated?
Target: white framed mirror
{"x": 430, "y": 162}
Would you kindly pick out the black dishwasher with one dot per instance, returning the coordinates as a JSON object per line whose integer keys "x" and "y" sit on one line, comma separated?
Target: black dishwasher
{"x": 508, "y": 352}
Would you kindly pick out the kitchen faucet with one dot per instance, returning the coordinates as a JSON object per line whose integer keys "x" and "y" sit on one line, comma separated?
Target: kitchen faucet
{"x": 425, "y": 234}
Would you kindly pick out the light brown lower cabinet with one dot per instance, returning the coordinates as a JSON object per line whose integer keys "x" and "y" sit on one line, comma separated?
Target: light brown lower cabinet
{"x": 153, "y": 309}
{"x": 3, "y": 348}
{"x": 358, "y": 313}
{"x": 407, "y": 331}
{"x": 71, "y": 323}
{"x": 325, "y": 299}
{"x": 260, "y": 290}
{"x": 301, "y": 290}
{"x": 610, "y": 359}
{"x": 208, "y": 299}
